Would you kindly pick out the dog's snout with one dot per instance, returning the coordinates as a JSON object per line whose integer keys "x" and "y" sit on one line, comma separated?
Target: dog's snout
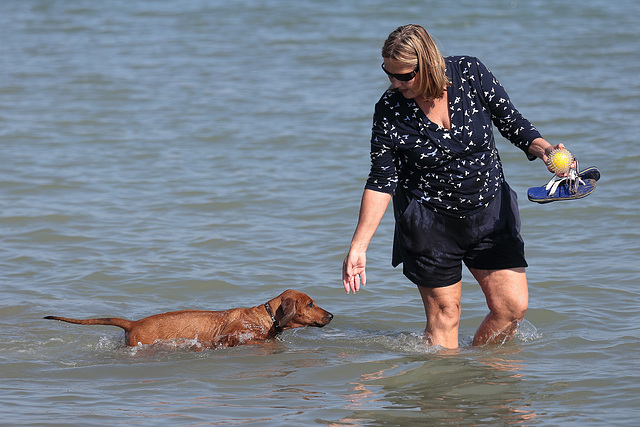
{"x": 326, "y": 318}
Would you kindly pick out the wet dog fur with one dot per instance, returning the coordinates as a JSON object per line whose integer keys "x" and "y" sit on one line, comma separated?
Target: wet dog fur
{"x": 217, "y": 329}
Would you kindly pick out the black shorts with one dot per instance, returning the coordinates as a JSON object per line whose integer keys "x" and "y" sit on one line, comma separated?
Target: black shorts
{"x": 433, "y": 246}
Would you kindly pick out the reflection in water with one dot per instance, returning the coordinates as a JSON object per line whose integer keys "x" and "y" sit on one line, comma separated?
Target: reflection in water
{"x": 471, "y": 386}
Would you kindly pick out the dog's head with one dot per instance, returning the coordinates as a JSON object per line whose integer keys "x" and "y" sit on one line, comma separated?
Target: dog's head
{"x": 296, "y": 309}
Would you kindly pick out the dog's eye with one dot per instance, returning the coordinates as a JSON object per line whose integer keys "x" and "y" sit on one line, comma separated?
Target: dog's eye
{"x": 310, "y": 304}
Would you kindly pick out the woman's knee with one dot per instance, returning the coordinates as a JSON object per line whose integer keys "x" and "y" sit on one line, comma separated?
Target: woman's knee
{"x": 506, "y": 291}
{"x": 444, "y": 315}
{"x": 442, "y": 305}
{"x": 512, "y": 307}
{"x": 519, "y": 308}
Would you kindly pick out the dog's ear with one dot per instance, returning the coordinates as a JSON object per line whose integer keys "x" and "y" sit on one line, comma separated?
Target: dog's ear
{"x": 288, "y": 309}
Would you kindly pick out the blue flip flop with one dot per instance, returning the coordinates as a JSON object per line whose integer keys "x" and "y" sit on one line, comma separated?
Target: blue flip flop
{"x": 591, "y": 172}
{"x": 563, "y": 191}
{"x": 575, "y": 186}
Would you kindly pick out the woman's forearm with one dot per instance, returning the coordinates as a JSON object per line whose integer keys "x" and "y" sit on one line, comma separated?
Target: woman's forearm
{"x": 540, "y": 148}
{"x": 372, "y": 209}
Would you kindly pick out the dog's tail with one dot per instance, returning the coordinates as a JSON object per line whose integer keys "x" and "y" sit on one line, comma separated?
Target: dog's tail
{"x": 109, "y": 321}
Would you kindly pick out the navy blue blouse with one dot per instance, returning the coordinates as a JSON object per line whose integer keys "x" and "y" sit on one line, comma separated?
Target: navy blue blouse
{"x": 455, "y": 171}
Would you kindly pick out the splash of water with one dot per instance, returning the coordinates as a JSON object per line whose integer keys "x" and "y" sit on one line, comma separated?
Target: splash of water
{"x": 526, "y": 332}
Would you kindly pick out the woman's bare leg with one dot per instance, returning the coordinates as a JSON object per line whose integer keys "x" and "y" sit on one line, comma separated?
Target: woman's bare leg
{"x": 507, "y": 298}
{"x": 442, "y": 308}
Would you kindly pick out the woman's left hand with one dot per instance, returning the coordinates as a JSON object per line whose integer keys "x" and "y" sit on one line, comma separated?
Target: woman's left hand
{"x": 547, "y": 152}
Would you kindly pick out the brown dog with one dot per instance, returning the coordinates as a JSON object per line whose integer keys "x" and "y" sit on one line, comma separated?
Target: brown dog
{"x": 291, "y": 309}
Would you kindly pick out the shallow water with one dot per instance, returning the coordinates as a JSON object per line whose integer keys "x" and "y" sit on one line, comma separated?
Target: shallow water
{"x": 169, "y": 155}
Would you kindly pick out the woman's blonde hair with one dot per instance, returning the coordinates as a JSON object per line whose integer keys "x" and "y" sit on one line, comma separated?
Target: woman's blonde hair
{"x": 412, "y": 45}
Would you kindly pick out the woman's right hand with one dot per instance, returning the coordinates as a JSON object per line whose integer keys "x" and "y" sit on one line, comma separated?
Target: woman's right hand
{"x": 372, "y": 209}
{"x": 353, "y": 271}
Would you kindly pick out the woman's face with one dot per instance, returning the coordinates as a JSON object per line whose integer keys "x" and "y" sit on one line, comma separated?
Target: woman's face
{"x": 409, "y": 88}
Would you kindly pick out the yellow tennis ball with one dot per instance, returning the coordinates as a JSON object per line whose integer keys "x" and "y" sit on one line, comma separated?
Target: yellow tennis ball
{"x": 560, "y": 160}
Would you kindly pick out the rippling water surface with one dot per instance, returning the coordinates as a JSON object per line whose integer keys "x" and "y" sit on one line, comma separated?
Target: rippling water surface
{"x": 206, "y": 154}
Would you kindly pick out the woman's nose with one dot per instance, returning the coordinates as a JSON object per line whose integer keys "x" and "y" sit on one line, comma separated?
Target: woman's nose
{"x": 395, "y": 83}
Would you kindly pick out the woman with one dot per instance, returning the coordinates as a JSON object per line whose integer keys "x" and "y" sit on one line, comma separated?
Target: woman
{"x": 433, "y": 152}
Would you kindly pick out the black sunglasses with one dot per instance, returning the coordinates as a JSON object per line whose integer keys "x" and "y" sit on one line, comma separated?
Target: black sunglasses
{"x": 401, "y": 77}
